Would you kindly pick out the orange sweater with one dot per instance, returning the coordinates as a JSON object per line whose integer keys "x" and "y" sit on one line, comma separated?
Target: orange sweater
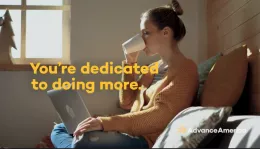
{"x": 153, "y": 107}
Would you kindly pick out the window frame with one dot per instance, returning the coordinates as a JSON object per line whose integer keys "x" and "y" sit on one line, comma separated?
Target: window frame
{"x": 23, "y": 63}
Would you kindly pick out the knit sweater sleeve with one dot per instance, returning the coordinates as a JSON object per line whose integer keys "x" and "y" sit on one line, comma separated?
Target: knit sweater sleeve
{"x": 127, "y": 96}
{"x": 176, "y": 96}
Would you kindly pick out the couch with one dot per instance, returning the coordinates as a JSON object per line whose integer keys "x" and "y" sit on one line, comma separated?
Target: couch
{"x": 251, "y": 139}
{"x": 246, "y": 112}
{"x": 245, "y": 104}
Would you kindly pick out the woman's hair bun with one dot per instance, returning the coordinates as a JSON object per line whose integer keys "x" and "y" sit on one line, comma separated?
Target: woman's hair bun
{"x": 177, "y": 7}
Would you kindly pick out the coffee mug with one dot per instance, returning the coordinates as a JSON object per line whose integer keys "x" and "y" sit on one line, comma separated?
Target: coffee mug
{"x": 134, "y": 44}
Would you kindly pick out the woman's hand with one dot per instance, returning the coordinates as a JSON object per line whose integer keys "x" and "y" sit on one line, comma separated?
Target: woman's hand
{"x": 89, "y": 124}
{"x": 132, "y": 57}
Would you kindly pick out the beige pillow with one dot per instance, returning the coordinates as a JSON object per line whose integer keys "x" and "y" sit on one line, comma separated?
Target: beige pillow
{"x": 226, "y": 80}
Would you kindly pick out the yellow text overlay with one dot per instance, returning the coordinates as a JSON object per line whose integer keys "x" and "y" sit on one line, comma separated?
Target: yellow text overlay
{"x": 89, "y": 86}
{"x": 107, "y": 68}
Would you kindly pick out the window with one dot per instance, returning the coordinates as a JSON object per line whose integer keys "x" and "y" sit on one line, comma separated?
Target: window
{"x": 41, "y": 28}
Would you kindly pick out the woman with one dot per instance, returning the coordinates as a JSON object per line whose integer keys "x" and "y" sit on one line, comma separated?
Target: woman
{"x": 161, "y": 96}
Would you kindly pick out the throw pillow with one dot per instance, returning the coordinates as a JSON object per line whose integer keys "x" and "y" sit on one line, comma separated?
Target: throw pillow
{"x": 193, "y": 127}
{"x": 226, "y": 80}
{"x": 203, "y": 70}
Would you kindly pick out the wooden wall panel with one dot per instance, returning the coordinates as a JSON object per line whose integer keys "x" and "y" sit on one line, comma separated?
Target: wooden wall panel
{"x": 248, "y": 11}
{"x": 242, "y": 33}
{"x": 216, "y": 5}
{"x": 231, "y": 24}
{"x": 228, "y": 9}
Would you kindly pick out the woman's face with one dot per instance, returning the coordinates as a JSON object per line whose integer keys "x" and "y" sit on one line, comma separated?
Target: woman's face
{"x": 152, "y": 36}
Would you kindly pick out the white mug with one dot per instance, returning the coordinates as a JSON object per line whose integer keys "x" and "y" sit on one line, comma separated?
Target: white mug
{"x": 134, "y": 44}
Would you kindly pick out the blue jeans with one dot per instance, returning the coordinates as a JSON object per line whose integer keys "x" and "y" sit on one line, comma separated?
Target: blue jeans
{"x": 95, "y": 139}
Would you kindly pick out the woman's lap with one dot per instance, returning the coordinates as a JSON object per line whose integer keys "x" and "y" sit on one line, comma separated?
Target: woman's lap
{"x": 95, "y": 139}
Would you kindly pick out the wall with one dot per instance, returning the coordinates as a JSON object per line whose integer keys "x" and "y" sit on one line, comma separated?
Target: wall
{"x": 231, "y": 24}
{"x": 98, "y": 29}
{"x": 195, "y": 42}
{"x": 202, "y": 31}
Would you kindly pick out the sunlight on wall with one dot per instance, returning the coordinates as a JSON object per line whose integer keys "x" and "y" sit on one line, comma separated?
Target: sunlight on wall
{"x": 249, "y": 52}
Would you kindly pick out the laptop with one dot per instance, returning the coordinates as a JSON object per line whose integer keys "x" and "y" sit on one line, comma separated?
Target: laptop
{"x": 70, "y": 107}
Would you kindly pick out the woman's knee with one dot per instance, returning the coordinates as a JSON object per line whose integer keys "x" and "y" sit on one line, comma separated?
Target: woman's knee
{"x": 58, "y": 129}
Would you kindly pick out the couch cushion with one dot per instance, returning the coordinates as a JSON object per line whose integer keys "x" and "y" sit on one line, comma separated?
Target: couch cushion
{"x": 187, "y": 129}
{"x": 248, "y": 139}
{"x": 226, "y": 80}
{"x": 203, "y": 70}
